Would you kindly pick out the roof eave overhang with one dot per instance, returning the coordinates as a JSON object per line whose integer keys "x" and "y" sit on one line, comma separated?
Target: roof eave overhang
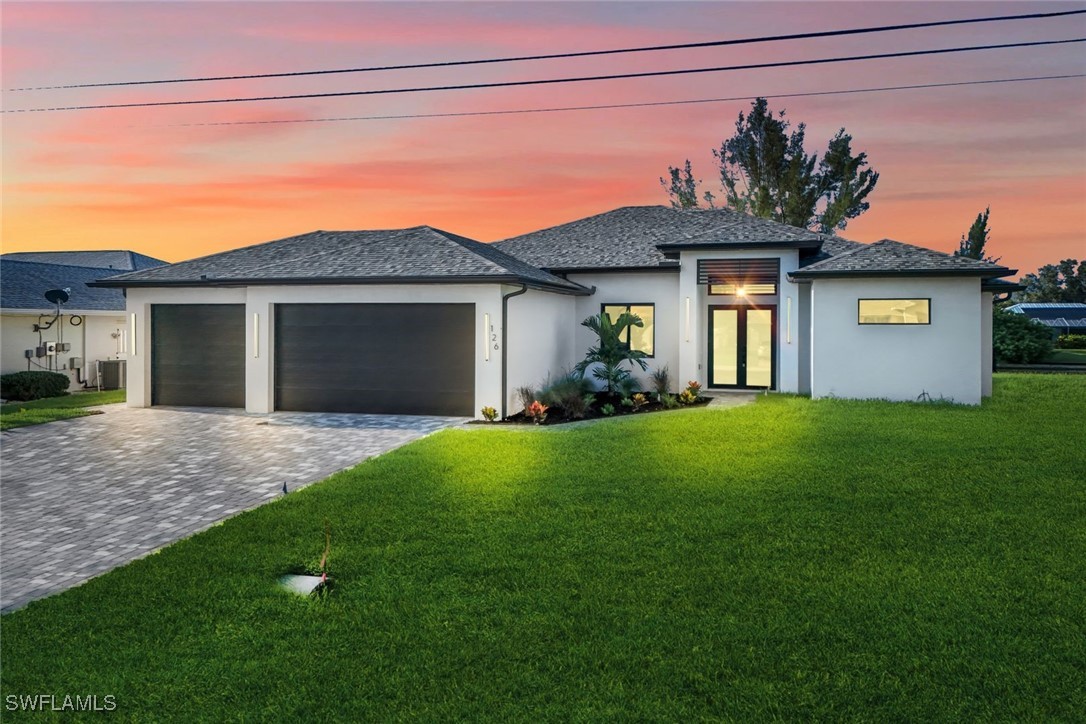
{"x": 575, "y": 289}
{"x": 802, "y": 275}
{"x": 665, "y": 267}
{"x": 673, "y": 249}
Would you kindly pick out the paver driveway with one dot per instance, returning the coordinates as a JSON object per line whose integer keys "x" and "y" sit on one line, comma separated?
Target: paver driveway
{"x": 82, "y": 496}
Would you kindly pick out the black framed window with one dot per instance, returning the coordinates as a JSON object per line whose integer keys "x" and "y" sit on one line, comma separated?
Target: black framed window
{"x": 642, "y": 339}
{"x": 894, "y": 311}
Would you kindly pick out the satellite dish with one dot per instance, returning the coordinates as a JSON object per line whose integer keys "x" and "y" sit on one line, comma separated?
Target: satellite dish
{"x": 57, "y": 296}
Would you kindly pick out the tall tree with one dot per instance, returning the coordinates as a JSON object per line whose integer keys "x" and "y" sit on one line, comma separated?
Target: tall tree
{"x": 974, "y": 241}
{"x": 682, "y": 188}
{"x": 1063, "y": 282}
{"x": 766, "y": 171}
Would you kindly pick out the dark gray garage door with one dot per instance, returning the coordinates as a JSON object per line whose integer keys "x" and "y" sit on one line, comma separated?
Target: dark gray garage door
{"x": 408, "y": 359}
{"x": 198, "y": 355}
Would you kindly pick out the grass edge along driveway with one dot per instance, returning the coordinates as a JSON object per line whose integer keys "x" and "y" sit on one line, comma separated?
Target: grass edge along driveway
{"x": 790, "y": 559}
{"x": 36, "y": 412}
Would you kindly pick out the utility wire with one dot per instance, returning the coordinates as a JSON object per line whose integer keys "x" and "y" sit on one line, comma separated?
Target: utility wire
{"x": 646, "y": 104}
{"x": 551, "y": 81}
{"x": 580, "y": 54}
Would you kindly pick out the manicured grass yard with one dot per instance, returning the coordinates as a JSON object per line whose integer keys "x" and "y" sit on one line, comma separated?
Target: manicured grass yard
{"x": 35, "y": 412}
{"x": 1067, "y": 357}
{"x": 790, "y": 559}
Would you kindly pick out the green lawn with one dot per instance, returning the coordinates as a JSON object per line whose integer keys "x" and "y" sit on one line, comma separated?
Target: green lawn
{"x": 790, "y": 559}
{"x": 1067, "y": 357}
{"x": 35, "y": 412}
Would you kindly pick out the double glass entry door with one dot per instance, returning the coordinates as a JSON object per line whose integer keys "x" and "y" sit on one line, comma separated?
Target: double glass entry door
{"x": 741, "y": 346}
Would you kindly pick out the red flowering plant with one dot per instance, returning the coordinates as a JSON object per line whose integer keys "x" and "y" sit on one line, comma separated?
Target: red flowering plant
{"x": 536, "y": 411}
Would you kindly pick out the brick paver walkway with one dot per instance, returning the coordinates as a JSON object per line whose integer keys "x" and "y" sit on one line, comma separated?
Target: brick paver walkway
{"x": 80, "y": 497}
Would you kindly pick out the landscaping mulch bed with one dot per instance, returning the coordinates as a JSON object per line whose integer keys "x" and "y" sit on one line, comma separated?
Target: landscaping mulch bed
{"x": 557, "y": 415}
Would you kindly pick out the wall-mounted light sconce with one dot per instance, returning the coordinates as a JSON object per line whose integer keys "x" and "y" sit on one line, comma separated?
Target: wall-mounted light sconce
{"x": 788, "y": 321}
{"x": 486, "y": 336}
{"x": 740, "y": 292}
{"x": 256, "y": 334}
{"x": 688, "y": 319}
{"x": 132, "y": 334}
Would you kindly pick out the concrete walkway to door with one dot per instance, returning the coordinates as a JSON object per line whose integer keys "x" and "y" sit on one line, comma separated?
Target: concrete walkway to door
{"x": 80, "y": 497}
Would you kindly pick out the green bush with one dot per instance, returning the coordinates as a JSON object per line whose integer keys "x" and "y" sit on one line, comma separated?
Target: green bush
{"x": 1018, "y": 339}
{"x": 569, "y": 391}
{"x": 1071, "y": 341}
{"x": 24, "y": 386}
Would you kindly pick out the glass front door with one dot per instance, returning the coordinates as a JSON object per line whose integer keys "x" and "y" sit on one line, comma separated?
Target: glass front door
{"x": 742, "y": 346}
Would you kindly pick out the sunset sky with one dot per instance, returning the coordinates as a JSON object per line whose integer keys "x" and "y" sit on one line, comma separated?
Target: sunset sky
{"x": 139, "y": 179}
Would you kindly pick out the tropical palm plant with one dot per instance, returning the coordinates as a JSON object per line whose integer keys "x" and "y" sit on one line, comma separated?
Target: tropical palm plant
{"x": 607, "y": 357}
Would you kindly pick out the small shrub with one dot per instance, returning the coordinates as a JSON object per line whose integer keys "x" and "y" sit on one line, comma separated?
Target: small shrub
{"x": 489, "y": 414}
{"x": 607, "y": 410}
{"x": 668, "y": 401}
{"x": 23, "y": 386}
{"x": 537, "y": 411}
{"x": 627, "y": 386}
{"x": 638, "y": 401}
{"x": 571, "y": 392}
{"x": 1018, "y": 339}
{"x": 694, "y": 386}
{"x": 526, "y": 395}
{"x": 661, "y": 382}
{"x": 686, "y": 397}
{"x": 627, "y": 402}
{"x": 1071, "y": 341}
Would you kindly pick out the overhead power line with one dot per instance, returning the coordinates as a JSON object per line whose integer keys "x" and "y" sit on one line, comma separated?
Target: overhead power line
{"x": 646, "y": 104}
{"x": 551, "y": 81}
{"x": 576, "y": 54}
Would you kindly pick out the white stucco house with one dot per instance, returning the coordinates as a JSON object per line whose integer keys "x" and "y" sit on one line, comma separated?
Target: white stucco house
{"x": 91, "y": 326}
{"x": 422, "y": 321}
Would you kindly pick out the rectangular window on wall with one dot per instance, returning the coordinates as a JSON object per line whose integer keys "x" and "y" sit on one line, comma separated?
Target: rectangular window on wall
{"x": 643, "y": 338}
{"x": 894, "y": 311}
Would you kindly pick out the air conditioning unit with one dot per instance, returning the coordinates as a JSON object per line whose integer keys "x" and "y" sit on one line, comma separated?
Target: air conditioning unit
{"x": 112, "y": 374}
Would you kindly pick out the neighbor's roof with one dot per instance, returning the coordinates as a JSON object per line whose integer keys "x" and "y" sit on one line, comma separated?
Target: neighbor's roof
{"x": 1050, "y": 310}
{"x": 23, "y": 285}
{"x": 120, "y": 260}
{"x": 894, "y": 258}
{"x": 421, "y": 254}
{"x": 639, "y": 236}
{"x": 1061, "y": 322}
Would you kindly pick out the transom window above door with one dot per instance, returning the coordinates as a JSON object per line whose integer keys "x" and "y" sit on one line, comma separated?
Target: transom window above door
{"x": 641, "y": 339}
{"x": 740, "y": 277}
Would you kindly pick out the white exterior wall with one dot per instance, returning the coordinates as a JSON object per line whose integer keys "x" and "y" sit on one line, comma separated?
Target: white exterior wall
{"x": 694, "y": 330}
{"x": 259, "y": 328}
{"x": 986, "y": 311}
{"x": 659, "y": 288}
{"x": 541, "y": 340}
{"x": 897, "y": 362}
{"x": 93, "y": 340}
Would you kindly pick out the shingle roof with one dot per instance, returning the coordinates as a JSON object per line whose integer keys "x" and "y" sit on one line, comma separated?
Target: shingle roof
{"x": 630, "y": 237}
{"x": 23, "y": 285}
{"x": 416, "y": 255}
{"x": 121, "y": 260}
{"x": 894, "y": 258}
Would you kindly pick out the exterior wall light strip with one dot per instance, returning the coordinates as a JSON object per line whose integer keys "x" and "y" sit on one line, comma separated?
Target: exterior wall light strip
{"x": 486, "y": 336}
{"x": 132, "y": 334}
{"x": 256, "y": 334}
{"x": 788, "y": 321}
{"x": 688, "y": 319}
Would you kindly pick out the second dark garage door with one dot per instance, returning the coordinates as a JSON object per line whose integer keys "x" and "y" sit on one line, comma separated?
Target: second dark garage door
{"x": 409, "y": 359}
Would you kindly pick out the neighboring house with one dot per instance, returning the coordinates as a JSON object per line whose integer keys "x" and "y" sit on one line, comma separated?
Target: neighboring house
{"x": 421, "y": 321}
{"x": 1062, "y": 317}
{"x": 91, "y": 323}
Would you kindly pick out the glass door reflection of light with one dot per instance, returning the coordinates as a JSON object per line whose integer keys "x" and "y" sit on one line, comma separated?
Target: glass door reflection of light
{"x": 725, "y": 330}
{"x": 759, "y": 348}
